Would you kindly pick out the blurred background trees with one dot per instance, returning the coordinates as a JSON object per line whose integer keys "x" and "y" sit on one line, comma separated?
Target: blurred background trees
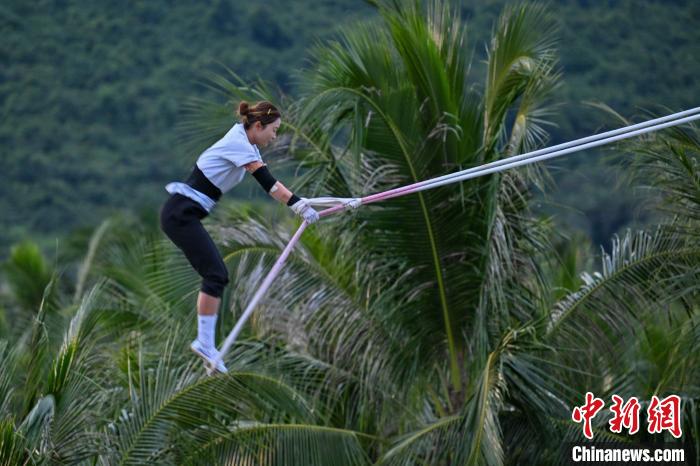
{"x": 92, "y": 95}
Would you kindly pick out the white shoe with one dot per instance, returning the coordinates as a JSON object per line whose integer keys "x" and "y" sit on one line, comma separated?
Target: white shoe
{"x": 209, "y": 355}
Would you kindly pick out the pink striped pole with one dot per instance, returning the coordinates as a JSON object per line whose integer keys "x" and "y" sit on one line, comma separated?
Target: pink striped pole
{"x": 271, "y": 275}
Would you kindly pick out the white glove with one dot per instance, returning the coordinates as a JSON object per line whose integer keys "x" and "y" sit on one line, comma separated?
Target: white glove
{"x": 305, "y": 211}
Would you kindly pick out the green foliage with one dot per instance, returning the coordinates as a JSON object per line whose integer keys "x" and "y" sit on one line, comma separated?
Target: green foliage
{"x": 477, "y": 339}
{"x": 91, "y": 94}
{"x": 28, "y": 274}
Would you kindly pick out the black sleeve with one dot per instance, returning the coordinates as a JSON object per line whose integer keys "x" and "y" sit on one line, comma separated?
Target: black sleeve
{"x": 265, "y": 178}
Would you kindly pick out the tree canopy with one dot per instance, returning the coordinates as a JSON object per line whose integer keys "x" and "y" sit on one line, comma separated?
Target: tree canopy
{"x": 92, "y": 93}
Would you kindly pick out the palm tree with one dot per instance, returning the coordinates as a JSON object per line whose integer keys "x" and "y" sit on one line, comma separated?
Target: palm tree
{"x": 440, "y": 300}
{"x": 421, "y": 297}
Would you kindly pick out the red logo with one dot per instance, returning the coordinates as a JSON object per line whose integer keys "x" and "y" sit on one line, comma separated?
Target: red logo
{"x": 665, "y": 415}
{"x": 661, "y": 415}
{"x": 626, "y": 416}
{"x": 587, "y": 412}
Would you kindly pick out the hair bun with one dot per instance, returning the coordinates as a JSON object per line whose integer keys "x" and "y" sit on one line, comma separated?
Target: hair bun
{"x": 263, "y": 112}
{"x": 243, "y": 108}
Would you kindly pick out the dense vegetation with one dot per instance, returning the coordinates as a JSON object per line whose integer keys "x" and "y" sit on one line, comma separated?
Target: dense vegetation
{"x": 441, "y": 328}
{"x": 91, "y": 93}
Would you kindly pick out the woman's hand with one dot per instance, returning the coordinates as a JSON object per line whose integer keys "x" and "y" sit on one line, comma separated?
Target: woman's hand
{"x": 280, "y": 193}
{"x": 305, "y": 211}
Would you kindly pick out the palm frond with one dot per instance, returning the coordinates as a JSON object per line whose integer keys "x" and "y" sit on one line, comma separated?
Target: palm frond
{"x": 28, "y": 275}
{"x": 668, "y": 162}
{"x": 643, "y": 272}
{"x": 173, "y": 400}
{"x": 522, "y": 48}
{"x": 204, "y": 121}
{"x": 85, "y": 266}
{"x": 7, "y": 374}
{"x": 36, "y": 426}
{"x": 636, "y": 260}
{"x": 13, "y": 444}
{"x": 419, "y": 447}
{"x": 474, "y": 435}
{"x": 281, "y": 444}
{"x": 328, "y": 302}
{"x": 78, "y": 397}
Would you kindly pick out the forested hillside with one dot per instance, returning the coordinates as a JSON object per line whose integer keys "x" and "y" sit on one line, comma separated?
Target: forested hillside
{"x": 91, "y": 93}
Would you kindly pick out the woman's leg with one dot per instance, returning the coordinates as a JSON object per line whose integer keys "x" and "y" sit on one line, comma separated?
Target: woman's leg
{"x": 207, "y": 261}
{"x": 207, "y": 309}
{"x": 181, "y": 222}
{"x": 207, "y": 305}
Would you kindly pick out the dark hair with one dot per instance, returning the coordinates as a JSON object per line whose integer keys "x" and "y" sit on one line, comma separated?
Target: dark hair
{"x": 263, "y": 111}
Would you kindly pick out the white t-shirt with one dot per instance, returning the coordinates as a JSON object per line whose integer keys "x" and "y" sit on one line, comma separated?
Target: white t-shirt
{"x": 222, "y": 164}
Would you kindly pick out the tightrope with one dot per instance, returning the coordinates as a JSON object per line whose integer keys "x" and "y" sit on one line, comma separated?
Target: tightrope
{"x": 470, "y": 173}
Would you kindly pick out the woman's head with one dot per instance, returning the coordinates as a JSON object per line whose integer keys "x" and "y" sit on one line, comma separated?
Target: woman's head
{"x": 260, "y": 121}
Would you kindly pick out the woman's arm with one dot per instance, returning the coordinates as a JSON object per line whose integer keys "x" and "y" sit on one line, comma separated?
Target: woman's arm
{"x": 278, "y": 191}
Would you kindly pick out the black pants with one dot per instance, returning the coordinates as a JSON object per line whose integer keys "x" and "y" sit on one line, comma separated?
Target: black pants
{"x": 180, "y": 220}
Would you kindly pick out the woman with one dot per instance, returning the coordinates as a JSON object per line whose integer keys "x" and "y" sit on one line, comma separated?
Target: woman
{"x": 217, "y": 170}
